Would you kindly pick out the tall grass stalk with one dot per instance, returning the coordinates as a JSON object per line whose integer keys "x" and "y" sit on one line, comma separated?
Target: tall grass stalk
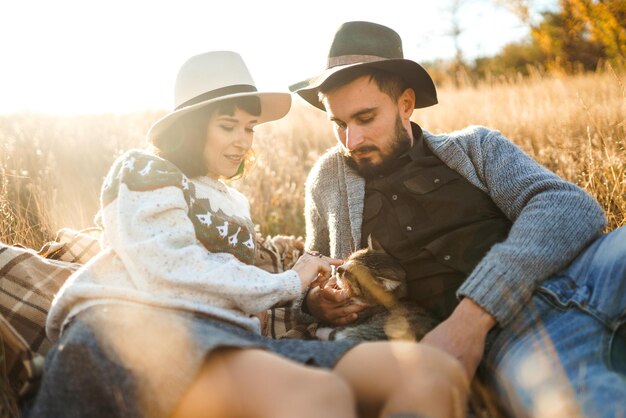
{"x": 51, "y": 168}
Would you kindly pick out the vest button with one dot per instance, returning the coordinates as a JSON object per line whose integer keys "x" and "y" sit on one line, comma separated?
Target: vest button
{"x": 408, "y": 228}
{"x": 446, "y": 257}
{"x": 436, "y": 181}
{"x": 394, "y": 197}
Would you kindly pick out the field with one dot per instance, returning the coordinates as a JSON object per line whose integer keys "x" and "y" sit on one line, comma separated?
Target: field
{"x": 51, "y": 167}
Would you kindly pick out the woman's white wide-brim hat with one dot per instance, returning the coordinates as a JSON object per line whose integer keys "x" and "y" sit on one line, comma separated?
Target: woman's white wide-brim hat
{"x": 212, "y": 77}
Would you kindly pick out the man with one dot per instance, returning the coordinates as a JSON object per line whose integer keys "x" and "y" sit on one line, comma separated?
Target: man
{"x": 504, "y": 251}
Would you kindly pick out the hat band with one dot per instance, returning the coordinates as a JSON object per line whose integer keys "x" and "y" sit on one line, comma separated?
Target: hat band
{"x": 213, "y": 94}
{"x": 352, "y": 59}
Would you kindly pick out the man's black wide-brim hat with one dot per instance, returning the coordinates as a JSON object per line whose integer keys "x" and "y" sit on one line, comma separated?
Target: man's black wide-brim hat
{"x": 367, "y": 44}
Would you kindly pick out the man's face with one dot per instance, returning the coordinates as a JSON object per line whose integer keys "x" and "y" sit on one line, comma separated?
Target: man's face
{"x": 372, "y": 128}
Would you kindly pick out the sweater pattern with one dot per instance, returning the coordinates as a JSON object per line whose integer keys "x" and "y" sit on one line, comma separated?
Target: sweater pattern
{"x": 217, "y": 231}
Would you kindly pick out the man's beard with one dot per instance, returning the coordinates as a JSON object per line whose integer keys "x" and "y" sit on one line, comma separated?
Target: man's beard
{"x": 400, "y": 144}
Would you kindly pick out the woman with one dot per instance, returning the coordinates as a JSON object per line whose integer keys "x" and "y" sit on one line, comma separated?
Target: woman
{"x": 161, "y": 323}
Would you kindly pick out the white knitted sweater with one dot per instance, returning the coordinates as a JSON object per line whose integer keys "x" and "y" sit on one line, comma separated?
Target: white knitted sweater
{"x": 152, "y": 252}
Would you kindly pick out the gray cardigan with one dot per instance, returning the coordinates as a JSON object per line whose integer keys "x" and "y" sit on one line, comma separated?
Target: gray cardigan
{"x": 553, "y": 220}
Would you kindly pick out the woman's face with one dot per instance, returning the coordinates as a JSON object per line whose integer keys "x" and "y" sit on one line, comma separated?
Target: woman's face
{"x": 228, "y": 139}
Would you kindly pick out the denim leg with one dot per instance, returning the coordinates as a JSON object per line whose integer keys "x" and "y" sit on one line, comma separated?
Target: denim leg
{"x": 565, "y": 354}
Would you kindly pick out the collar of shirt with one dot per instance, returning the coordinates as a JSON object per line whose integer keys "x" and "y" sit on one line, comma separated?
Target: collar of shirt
{"x": 417, "y": 151}
{"x": 419, "y": 148}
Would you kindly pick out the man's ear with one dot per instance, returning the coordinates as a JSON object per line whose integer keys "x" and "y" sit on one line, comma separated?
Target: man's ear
{"x": 406, "y": 103}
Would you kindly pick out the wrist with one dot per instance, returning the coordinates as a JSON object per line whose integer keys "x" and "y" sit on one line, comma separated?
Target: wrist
{"x": 472, "y": 313}
{"x": 305, "y": 306}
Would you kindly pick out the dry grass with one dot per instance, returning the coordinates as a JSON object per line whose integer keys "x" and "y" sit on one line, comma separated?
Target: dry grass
{"x": 574, "y": 125}
{"x": 51, "y": 168}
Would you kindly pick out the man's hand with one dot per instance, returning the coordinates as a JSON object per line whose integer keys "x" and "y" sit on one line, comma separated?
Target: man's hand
{"x": 329, "y": 303}
{"x": 463, "y": 334}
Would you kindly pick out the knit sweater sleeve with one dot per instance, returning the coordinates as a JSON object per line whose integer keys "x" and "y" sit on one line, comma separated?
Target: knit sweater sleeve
{"x": 317, "y": 237}
{"x": 553, "y": 220}
{"x": 147, "y": 224}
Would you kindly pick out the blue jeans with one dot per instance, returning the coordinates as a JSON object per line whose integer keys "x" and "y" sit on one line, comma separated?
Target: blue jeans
{"x": 565, "y": 354}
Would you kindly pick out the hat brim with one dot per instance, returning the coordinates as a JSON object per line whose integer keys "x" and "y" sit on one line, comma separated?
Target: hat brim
{"x": 274, "y": 105}
{"x": 411, "y": 72}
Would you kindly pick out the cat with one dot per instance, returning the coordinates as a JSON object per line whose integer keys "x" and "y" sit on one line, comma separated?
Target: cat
{"x": 375, "y": 279}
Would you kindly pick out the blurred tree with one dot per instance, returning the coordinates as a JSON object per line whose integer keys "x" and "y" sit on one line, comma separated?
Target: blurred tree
{"x": 516, "y": 57}
{"x": 566, "y": 39}
{"x": 606, "y": 22}
{"x": 578, "y": 35}
{"x": 458, "y": 68}
{"x": 521, "y": 8}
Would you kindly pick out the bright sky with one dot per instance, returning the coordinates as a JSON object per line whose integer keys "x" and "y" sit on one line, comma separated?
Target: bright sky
{"x": 78, "y": 56}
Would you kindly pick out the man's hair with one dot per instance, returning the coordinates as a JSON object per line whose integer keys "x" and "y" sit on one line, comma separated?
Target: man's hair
{"x": 389, "y": 83}
{"x": 183, "y": 143}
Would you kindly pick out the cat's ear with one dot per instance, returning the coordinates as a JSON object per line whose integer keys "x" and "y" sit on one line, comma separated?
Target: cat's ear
{"x": 373, "y": 244}
{"x": 389, "y": 285}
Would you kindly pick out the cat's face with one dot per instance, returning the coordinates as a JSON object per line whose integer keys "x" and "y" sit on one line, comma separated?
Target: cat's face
{"x": 372, "y": 277}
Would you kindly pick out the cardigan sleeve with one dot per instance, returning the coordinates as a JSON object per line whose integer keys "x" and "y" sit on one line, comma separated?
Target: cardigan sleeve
{"x": 147, "y": 224}
{"x": 553, "y": 220}
{"x": 317, "y": 237}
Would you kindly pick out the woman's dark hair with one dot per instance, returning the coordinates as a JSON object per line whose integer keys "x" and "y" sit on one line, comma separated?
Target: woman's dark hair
{"x": 183, "y": 142}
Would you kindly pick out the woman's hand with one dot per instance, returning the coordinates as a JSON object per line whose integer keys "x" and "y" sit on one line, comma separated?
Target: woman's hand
{"x": 313, "y": 265}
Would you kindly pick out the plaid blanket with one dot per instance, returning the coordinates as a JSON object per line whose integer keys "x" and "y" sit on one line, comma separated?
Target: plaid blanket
{"x": 73, "y": 246}
{"x": 29, "y": 280}
{"x": 277, "y": 254}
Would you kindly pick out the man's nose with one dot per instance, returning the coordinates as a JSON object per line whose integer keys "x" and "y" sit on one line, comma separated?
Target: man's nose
{"x": 354, "y": 137}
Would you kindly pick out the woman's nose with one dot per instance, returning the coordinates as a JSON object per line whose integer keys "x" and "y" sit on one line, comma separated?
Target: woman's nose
{"x": 244, "y": 139}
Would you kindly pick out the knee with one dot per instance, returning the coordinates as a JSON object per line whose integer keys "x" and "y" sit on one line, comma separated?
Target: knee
{"x": 400, "y": 361}
{"x": 328, "y": 389}
{"x": 320, "y": 393}
{"x": 421, "y": 365}
{"x": 432, "y": 381}
{"x": 419, "y": 371}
